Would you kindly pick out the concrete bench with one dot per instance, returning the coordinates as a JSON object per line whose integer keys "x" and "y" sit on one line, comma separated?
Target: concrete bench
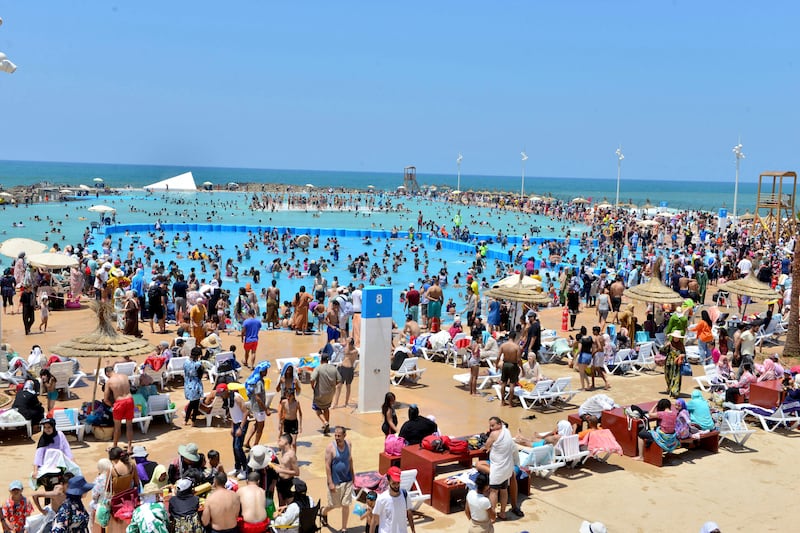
{"x": 386, "y": 461}
{"x": 451, "y": 497}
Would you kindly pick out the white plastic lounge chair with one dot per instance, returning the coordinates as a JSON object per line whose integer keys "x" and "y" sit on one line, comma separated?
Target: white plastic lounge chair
{"x": 217, "y": 410}
{"x": 539, "y": 395}
{"x": 158, "y": 404}
{"x": 620, "y": 363}
{"x": 67, "y": 420}
{"x": 484, "y": 379}
{"x": 540, "y": 460}
{"x": 65, "y": 377}
{"x": 214, "y": 371}
{"x": 767, "y": 334}
{"x": 693, "y": 355}
{"x": 281, "y": 362}
{"x": 143, "y": 421}
{"x": 128, "y": 369}
{"x": 555, "y": 351}
{"x": 175, "y": 368}
{"x": 734, "y": 427}
{"x": 156, "y": 375}
{"x": 408, "y": 482}
{"x": 646, "y": 359}
{"x": 560, "y": 390}
{"x": 710, "y": 378}
{"x": 785, "y": 415}
{"x": 459, "y": 354}
{"x": 408, "y": 370}
{"x": 568, "y": 451}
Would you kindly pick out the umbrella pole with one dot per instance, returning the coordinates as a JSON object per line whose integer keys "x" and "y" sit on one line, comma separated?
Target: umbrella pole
{"x": 96, "y": 379}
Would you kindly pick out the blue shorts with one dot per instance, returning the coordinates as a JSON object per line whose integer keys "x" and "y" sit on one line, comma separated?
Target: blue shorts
{"x": 584, "y": 358}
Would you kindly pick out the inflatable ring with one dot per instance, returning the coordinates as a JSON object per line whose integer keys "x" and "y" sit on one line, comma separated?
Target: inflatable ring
{"x": 555, "y": 259}
{"x": 607, "y": 232}
{"x": 302, "y": 241}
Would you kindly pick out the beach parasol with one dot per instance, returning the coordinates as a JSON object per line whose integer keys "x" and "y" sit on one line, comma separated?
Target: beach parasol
{"x": 309, "y": 185}
{"x": 104, "y": 341}
{"x": 648, "y": 205}
{"x": 455, "y": 192}
{"x": 98, "y": 180}
{"x": 65, "y": 191}
{"x": 604, "y": 205}
{"x": 17, "y": 245}
{"x": 207, "y": 183}
{"x": 750, "y": 286}
{"x": 102, "y": 209}
{"x": 401, "y": 188}
{"x": 432, "y": 188}
{"x": 514, "y": 280}
{"x": 580, "y": 200}
{"x": 522, "y": 292}
{"x": 654, "y": 290}
{"x": 370, "y": 186}
{"x": 647, "y": 222}
{"x": 51, "y": 260}
{"x": 84, "y": 187}
{"x": 747, "y": 216}
{"x": 534, "y": 198}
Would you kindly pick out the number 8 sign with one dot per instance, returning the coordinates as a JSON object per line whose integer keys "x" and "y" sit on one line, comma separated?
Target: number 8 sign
{"x": 376, "y": 302}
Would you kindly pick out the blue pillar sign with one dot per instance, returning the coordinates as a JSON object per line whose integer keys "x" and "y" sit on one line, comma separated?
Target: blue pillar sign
{"x": 376, "y": 302}
{"x": 723, "y": 213}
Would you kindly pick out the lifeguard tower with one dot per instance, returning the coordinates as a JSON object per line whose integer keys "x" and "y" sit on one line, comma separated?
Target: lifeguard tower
{"x": 410, "y": 179}
{"x": 775, "y": 205}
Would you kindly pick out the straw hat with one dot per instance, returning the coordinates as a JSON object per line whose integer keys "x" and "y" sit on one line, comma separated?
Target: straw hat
{"x": 676, "y": 335}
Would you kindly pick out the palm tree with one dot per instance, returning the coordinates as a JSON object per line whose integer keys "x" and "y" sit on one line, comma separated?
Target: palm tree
{"x": 792, "y": 348}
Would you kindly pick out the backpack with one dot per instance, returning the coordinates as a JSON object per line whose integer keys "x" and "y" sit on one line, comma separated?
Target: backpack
{"x": 393, "y": 445}
{"x": 153, "y": 294}
{"x": 432, "y": 443}
{"x": 458, "y": 446}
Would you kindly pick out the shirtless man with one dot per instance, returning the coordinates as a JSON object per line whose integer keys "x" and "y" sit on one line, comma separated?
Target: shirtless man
{"x": 332, "y": 321}
{"x": 683, "y": 286}
{"x": 287, "y": 469}
{"x": 222, "y": 507}
{"x": 118, "y": 396}
{"x": 510, "y": 361}
{"x": 411, "y": 330}
{"x": 253, "y": 500}
{"x": 435, "y": 297}
{"x": 291, "y": 417}
{"x": 615, "y": 291}
{"x": 347, "y": 371}
{"x": 273, "y": 299}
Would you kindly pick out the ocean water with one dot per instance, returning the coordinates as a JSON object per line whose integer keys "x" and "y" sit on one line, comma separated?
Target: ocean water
{"x": 704, "y": 195}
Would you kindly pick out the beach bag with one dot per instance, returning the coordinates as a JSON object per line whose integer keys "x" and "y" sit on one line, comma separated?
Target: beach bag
{"x": 393, "y": 445}
{"x": 660, "y": 359}
{"x": 432, "y": 443}
{"x": 458, "y": 446}
{"x": 123, "y": 503}
{"x": 686, "y": 369}
{"x": 102, "y": 514}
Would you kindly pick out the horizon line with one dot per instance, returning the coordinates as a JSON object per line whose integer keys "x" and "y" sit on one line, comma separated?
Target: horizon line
{"x": 188, "y": 168}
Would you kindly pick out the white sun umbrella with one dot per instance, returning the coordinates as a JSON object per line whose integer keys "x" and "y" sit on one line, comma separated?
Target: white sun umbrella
{"x": 401, "y": 187}
{"x": 102, "y": 209}
{"x": 580, "y": 200}
{"x": 647, "y": 222}
{"x": 207, "y": 183}
{"x": 514, "y": 280}
{"x": 51, "y": 260}
{"x": 455, "y": 192}
{"x": 665, "y": 214}
{"x": 6, "y": 195}
{"x": 370, "y": 186}
{"x": 604, "y": 205}
{"x": 84, "y": 187}
{"x": 432, "y": 188}
{"x": 310, "y": 185}
{"x": 15, "y": 246}
{"x": 535, "y": 198}
{"x": 65, "y": 191}
{"x": 98, "y": 180}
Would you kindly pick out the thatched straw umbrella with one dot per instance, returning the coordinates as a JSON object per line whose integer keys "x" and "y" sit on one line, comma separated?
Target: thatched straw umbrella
{"x": 104, "y": 341}
{"x": 750, "y": 286}
{"x": 521, "y": 292}
{"x": 654, "y": 290}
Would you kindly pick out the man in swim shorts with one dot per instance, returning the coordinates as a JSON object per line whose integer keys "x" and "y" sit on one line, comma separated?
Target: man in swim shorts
{"x": 118, "y": 395}
{"x": 250, "y": 330}
{"x": 615, "y": 291}
{"x": 222, "y": 507}
{"x": 435, "y": 300}
{"x": 510, "y": 360}
{"x": 253, "y": 500}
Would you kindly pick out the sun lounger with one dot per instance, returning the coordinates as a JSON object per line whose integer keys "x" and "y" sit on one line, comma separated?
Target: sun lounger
{"x": 175, "y": 368}
{"x": 646, "y": 358}
{"x": 158, "y": 405}
{"x": 621, "y": 362}
{"x": 786, "y": 415}
{"x": 540, "y": 394}
{"x": 16, "y": 425}
{"x": 65, "y": 377}
{"x": 408, "y": 371}
{"x": 568, "y": 451}
{"x": 67, "y": 420}
{"x": 485, "y": 378}
{"x": 734, "y": 427}
{"x": 408, "y": 482}
{"x": 539, "y": 461}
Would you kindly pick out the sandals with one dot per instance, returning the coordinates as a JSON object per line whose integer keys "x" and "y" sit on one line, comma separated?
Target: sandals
{"x": 323, "y": 519}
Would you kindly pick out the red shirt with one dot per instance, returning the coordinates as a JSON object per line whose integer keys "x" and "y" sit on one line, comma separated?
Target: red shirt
{"x": 16, "y": 512}
{"x": 412, "y": 297}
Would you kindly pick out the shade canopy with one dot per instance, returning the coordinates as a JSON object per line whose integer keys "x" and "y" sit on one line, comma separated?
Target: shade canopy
{"x": 654, "y": 290}
{"x": 514, "y": 280}
{"x": 604, "y": 205}
{"x": 102, "y": 209}
{"x": 750, "y": 286}
{"x": 17, "y": 245}
{"x": 51, "y": 260}
{"x": 98, "y": 180}
{"x": 104, "y": 341}
{"x": 580, "y": 200}
{"x": 522, "y": 291}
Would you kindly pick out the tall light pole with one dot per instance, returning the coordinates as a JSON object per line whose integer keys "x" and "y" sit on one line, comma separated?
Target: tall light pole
{"x": 522, "y": 190}
{"x": 620, "y": 157}
{"x": 737, "y": 151}
{"x": 458, "y": 164}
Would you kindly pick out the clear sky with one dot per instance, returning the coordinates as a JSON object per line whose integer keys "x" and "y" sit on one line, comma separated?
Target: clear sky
{"x": 378, "y": 85}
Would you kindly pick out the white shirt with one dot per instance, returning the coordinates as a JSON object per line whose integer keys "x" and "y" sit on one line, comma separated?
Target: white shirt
{"x": 392, "y": 512}
{"x": 744, "y": 266}
{"x": 478, "y": 506}
{"x": 355, "y": 299}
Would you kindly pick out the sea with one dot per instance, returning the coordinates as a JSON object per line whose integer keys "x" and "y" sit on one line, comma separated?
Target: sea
{"x": 690, "y": 194}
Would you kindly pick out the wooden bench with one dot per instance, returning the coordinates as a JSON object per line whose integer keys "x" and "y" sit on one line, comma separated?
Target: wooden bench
{"x": 386, "y": 461}
{"x": 709, "y": 441}
{"x": 451, "y": 497}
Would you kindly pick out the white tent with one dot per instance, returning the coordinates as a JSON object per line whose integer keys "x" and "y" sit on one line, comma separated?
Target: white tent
{"x": 183, "y": 182}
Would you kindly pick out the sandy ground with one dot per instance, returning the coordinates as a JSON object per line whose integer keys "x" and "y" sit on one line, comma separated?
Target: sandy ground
{"x": 626, "y": 495}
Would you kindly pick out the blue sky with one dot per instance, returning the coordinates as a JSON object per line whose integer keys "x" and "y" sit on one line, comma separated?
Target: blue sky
{"x": 375, "y": 86}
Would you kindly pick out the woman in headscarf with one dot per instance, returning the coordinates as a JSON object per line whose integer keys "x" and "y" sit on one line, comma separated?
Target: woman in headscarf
{"x": 699, "y": 411}
{"x": 683, "y": 421}
{"x": 27, "y": 403}
{"x": 183, "y": 516}
{"x": 768, "y": 371}
{"x": 674, "y": 352}
{"x": 76, "y": 280}
{"x": 119, "y": 302}
{"x": 72, "y": 516}
{"x": 51, "y": 439}
{"x": 158, "y": 480}
{"x": 130, "y": 309}
{"x": 301, "y": 301}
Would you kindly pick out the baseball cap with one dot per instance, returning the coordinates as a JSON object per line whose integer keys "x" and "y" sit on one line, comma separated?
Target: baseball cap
{"x": 222, "y": 387}
{"x": 15, "y": 485}
{"x": 394, "y": 473}
{"x": 411, "y": 285}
